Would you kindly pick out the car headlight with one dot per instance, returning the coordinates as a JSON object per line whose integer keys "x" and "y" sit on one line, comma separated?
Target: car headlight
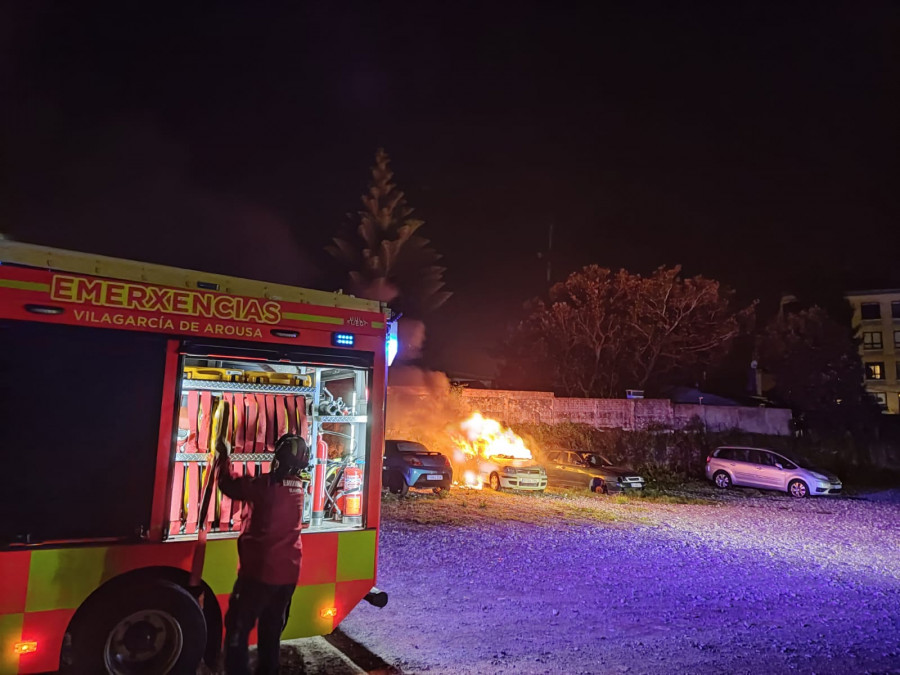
{"x": 509, "y": 469}
{"x": 818, "y": 476}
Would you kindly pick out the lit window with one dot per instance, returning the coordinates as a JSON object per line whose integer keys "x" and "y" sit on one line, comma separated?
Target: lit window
{"x": 875, "y": 371}
{"x": 870, "y": 310}
{"x": 873, "y": 340}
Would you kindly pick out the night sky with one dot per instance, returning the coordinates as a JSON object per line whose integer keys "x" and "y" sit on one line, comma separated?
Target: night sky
{"x": 755, "y": 144}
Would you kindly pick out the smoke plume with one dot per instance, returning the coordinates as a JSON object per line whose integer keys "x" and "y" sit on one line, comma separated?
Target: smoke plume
{"x": 421, "y": 406}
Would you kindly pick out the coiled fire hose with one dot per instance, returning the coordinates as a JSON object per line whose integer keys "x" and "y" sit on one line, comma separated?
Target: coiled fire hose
{"x": 220, "y": 443}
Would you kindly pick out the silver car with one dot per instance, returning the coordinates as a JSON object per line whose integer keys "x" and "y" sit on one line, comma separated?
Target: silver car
{"x": 769, "y": 470}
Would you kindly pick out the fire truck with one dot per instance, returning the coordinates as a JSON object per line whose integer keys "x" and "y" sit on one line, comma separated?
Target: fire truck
{"x": 117, "y": 552}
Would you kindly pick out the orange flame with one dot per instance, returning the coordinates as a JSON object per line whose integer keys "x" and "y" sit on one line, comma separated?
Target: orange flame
{"x": 470, "y": 479}
{"x": 485, "y": 438}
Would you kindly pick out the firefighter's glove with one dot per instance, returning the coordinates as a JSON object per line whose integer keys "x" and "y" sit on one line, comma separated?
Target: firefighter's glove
{"x": 223, "y": 445}
{"x": 223, "y": 448}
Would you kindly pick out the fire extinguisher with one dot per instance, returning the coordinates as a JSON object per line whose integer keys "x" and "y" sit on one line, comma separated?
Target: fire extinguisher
{"x": 352, "y": 494}
{"x": 318, "y": 513}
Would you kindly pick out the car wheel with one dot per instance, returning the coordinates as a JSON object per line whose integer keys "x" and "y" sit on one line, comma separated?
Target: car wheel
{"x": 722, "y": 480}
{"x": 797, "y": 488}
{"x": 601, "y": 488}
{"x": 495, "y": 482}
{"x": 391, "y": 483}
{"x": 402, "y": 487}
{"x": 398, "y": 485}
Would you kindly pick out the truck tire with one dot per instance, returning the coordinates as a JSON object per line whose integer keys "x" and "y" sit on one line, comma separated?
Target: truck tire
{"x": 153, "y": 627}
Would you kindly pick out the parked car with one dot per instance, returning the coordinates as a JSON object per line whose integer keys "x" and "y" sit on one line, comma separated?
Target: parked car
{"x": 501, "y": 471}
{"x": 409, "y": 464}
{"x": 769, "y": 470}
{"x": 591, "y": 470}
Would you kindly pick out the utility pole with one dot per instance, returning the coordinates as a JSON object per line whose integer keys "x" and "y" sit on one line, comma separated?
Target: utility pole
{"x": 549, "y": 251}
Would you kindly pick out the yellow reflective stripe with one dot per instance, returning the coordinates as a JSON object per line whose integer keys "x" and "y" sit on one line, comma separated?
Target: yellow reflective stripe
{"x": 220, "y": 565}
{"x": 10, "y": 634}
{"x": 61, "y": 578}
{"x": 24, "y": 285}
{"x": 314, "y": 318}
{"x": 308, "y": 621}
{"x": 356, "y": 555}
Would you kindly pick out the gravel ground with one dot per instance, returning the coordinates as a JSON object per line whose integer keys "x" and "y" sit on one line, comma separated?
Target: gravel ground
{"x": 742, "y": 582}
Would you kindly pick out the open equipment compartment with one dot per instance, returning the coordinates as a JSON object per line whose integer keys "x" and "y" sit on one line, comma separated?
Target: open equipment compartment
{"x": 325, "y": 403}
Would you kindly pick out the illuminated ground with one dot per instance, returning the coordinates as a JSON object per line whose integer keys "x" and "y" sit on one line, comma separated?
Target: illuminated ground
{"x": 746, "y": 582}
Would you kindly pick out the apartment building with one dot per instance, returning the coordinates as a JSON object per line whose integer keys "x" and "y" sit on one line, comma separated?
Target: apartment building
{"x": 876, "y": 316}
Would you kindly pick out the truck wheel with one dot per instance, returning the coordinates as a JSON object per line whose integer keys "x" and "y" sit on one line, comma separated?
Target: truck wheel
{"x": 156, "y": 627}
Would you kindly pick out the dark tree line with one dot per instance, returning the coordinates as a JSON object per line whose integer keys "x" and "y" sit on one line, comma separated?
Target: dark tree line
{"x": 814, "y": 364}
{"x": 600, "y": 332}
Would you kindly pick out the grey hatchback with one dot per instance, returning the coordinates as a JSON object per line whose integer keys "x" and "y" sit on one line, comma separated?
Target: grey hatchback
{"x": 769, "y": 470}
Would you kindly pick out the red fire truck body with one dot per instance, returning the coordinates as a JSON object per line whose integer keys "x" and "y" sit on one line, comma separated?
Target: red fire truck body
{"x": 112, "y": 373}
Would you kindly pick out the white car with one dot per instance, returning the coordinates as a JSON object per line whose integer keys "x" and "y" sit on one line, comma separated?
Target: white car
{"x": 769, "y": 470}
{"x": 501, "y": 471}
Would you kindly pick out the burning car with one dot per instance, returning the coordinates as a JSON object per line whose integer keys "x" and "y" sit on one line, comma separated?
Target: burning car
{"x": 591, "y": 470}
{"x": 494, "y": 455}
{"x": 503, "y": 471}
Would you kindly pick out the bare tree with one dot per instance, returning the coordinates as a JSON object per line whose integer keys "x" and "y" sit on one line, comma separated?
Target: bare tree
{"x": 679, "y": 325}
{"x": 602, "y": 331}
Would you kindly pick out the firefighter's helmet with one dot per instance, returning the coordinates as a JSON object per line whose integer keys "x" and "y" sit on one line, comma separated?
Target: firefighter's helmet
{"x": 291, "y": 455}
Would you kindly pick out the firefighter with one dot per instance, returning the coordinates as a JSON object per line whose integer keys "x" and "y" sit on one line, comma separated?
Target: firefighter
{"x": 269, "y": 551}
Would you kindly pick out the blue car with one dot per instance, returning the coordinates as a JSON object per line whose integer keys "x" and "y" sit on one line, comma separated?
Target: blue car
{"x": 408, "y": 464}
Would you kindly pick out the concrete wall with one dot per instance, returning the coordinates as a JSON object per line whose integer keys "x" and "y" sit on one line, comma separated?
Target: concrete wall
{"x": 539, "y": 406}
{"x": 511, "y": 406}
